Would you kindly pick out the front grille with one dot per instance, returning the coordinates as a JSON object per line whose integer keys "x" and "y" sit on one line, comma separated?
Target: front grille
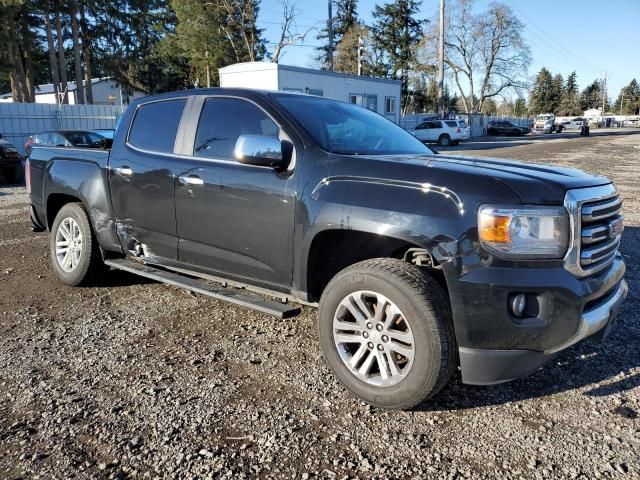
{"x": 597, "y": 225}
{"x": 599, "y": 238}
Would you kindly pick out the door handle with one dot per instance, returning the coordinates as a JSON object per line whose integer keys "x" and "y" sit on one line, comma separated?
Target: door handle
{"x": 123, "y": 170}
{"x": 190, "y": 180}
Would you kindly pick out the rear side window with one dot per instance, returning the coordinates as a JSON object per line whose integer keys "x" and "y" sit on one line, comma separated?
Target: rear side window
{"x": 451, "y": 123}
{"x": 156, "y": 124}
{"x": 223, "y": 120}
{"x": 462, "y": 124}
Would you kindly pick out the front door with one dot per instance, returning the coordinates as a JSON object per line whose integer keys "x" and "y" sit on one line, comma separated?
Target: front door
{"x": 142, "y": 180}
{"x": 234, "y": 218}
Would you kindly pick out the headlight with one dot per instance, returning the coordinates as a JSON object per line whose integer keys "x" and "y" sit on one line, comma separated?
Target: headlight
{"x": 524, "y": 232}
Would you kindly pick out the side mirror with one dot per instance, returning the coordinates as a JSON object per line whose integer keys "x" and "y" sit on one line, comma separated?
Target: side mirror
{"x": 259, "y": 150}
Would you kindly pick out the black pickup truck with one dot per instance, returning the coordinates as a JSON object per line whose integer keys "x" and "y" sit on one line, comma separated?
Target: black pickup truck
{"x": 419, "y": 263}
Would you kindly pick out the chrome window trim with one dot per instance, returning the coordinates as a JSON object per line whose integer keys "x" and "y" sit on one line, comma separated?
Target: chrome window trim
{"x": 573, "y": 201}
{"x": 194, "y": 105}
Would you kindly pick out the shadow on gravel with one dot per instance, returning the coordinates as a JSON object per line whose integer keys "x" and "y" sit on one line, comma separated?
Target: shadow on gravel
{"x": 589, "y": 363}
{"x": 118, "y": 278}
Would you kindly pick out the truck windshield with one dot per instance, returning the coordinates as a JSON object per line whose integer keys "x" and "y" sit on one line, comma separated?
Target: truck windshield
{"x": 347, "y": 129}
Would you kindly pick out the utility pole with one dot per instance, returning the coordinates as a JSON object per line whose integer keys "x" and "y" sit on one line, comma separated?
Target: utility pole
{"x": 206, "y": 54}
{"x": 622, "y": 101}
{"x": 330, "y": 31}
{"x": 360, "y": 44}
{"x": 441, "y": 63}
{"x": 604, "y": 92}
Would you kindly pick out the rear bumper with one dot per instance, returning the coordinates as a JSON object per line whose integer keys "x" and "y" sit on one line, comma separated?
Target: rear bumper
{"x": 487, "y": 366}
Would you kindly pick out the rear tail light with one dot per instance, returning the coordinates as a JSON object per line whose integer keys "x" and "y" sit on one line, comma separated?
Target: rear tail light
{"x": 458, "y": 130}
{"x": 27, "y": 174}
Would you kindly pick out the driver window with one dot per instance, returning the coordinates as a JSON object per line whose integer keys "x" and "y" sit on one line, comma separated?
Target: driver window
{"x": 223, "y": 120}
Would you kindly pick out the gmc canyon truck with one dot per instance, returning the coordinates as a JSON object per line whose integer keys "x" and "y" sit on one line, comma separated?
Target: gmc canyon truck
{"x": 419, "y": 263}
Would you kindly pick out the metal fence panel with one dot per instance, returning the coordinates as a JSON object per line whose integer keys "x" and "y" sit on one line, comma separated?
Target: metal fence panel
{"x": 20, "y": 120}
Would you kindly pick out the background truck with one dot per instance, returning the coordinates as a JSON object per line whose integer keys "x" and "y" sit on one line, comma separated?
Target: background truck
{"x": 419, "y": 263}
{"x": 547, "y": 123}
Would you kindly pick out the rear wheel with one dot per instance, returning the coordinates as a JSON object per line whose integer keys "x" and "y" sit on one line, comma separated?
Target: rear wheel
{"x": 13, "y": 174}
{"x": 74, "y": 250}
{"x": 386, "y": 332}
{"x": 444, "y": 140}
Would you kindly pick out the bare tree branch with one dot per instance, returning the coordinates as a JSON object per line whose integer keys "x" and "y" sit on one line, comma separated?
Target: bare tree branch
{"x": 288, "y": 30}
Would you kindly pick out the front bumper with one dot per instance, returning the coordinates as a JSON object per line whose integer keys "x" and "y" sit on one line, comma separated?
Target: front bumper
{"x": 487, "y": 367}
{"x": 495, "y": 346}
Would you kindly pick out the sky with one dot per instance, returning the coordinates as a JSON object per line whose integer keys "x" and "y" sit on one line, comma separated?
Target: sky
{"x": 589, "y": 36}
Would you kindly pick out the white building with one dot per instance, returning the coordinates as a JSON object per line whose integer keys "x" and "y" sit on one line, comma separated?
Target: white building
{"x": 106, "y": 91}
{"x": 377, "y": 94}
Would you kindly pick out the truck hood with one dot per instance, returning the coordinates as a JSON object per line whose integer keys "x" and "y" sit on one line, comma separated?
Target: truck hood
{"x": 532, "y": 183}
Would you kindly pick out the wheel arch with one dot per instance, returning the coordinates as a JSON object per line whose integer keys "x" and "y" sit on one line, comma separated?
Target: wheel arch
{"x": 333, "y": 250}
{"x": 67, "y": 181}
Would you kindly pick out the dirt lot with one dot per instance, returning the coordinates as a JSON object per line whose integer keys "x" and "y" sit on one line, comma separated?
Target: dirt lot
{"x": 140, "y": 380}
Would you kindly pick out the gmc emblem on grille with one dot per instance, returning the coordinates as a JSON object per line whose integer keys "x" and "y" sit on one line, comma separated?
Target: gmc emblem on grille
{"x": 616, "y": 227}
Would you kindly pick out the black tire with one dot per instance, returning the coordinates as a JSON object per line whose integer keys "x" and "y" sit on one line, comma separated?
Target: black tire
{"x": 90, "y": 264}
{"x": 13, "y": 174}
{"x": 444, "y": 140}
{"x": 426, "y": 309}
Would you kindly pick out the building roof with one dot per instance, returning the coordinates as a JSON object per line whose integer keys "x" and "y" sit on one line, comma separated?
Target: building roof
{"x": 47, "y": 88}
{"x": 267, "y": 66}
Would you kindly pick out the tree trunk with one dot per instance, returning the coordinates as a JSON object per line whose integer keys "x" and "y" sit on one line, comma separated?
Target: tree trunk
{"x": 53, "y": 62}
{"x": 76, "y": 57}
{"x": 61, "y": 62}
{"x": 26, "y": 55}
{"x": 15, "y": 58}
{"x": 86, "y": 54}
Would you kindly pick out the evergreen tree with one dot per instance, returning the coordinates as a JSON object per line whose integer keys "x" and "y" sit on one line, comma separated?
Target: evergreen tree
{"x": 542, "y": 98}
{"x": 570, "y": 104}
{"x": 395, "y": 33}
{"x": 520, "y": 108}
{"x": 344, "y": 20}
{"x": 557, "y": 92}
{"x": 346, "y": 53}
{"x": 591, "y": 96}
{"x": 628, "y": 101}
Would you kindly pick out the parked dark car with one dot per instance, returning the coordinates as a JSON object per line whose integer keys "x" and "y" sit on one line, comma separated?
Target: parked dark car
{"x": 106, "y": 133}
{"x": 11, "y": 167}
{"x": 418, "y": 263}
{"x": 506, "y": 128}
{"x": 68, "y": 138}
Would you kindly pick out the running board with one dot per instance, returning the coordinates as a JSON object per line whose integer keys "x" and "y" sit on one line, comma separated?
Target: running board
{"x": 197, "y": 285}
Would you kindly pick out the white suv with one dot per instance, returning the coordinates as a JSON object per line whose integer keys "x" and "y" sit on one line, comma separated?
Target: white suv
{"x": 442, "y": 132}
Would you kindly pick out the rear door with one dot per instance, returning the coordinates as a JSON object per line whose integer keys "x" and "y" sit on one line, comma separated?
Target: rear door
{"x": 234, "y": 218}
{"x": 142, "y": 179}
{"x": 421, "y": 131}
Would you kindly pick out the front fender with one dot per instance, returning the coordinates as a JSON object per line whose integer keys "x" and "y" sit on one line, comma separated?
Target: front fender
{"x": 89, "y": 183}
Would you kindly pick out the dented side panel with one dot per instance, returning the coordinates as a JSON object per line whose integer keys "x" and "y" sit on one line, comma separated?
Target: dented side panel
{"x": 87, "y": 181}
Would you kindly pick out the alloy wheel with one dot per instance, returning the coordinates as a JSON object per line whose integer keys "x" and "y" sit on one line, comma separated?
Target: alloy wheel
{"x": 373, "y": 338}
{"x": 68, "y": 244}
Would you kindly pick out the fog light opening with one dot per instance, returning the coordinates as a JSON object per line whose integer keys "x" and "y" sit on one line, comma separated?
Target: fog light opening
{"x": 518, "y": 304}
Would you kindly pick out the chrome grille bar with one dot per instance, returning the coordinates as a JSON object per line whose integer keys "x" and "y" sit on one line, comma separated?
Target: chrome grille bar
{"x": 593, "y": 213}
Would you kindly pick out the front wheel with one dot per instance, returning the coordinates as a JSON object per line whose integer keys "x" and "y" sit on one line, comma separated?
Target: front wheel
{"x": 386, "y": 332}
{"x": 444, "y": 140}
{"x": 74, "y": 250}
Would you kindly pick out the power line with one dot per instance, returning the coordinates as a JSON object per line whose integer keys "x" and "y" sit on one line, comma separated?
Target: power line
{"x": 555, "y": 45}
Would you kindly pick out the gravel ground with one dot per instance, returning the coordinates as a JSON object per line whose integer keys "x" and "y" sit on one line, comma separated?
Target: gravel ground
{"x": 139, "y": 380}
